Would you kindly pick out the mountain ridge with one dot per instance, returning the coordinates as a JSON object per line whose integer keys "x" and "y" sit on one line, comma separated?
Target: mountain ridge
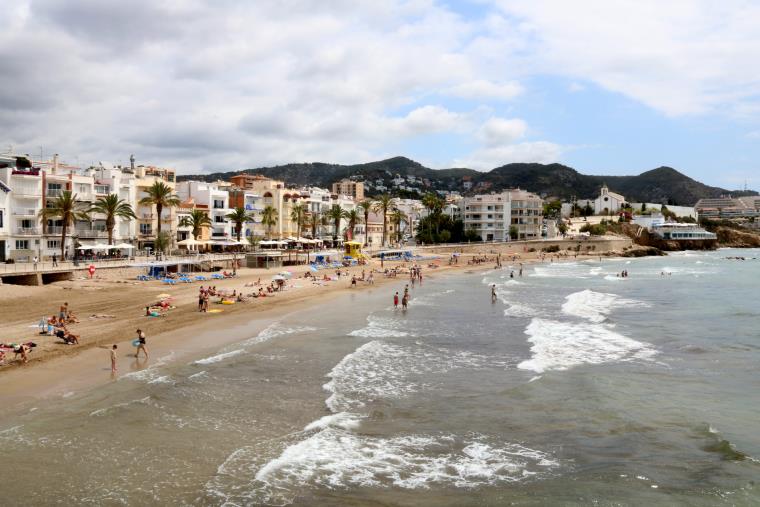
{"x": 663, "y": 184}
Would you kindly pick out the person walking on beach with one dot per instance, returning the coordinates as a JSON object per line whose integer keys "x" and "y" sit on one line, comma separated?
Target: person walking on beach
{"x": 55, "y": 260}
{"x": 200, "y": 299}
{"x": 493, "y": 293}
{"x": 404, "y": 301}
{"x": 141, "y": 344}
{"x": 395, "y": 300}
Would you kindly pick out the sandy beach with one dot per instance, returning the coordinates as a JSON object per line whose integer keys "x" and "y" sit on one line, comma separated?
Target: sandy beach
{"x": 111, "y": 308}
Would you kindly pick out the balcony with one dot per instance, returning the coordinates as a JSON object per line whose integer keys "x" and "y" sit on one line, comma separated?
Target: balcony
{"x": 54, "y": 192}
{"x": 27, "y": 231}
{"x": 90, "y": 233}
{"x": 25, "y": 212}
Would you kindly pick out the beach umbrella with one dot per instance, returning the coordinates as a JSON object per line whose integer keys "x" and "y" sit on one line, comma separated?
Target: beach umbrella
{"x": 278, "y": 277}
{"x": 313, "y": 269}
{"x": 285, "y": 274}
{"x": 124, "y": 246}
{"x": 101, "y": 246}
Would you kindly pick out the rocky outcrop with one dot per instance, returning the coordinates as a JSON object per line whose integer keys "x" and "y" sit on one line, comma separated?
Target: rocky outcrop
{"x": 730, "y": 237}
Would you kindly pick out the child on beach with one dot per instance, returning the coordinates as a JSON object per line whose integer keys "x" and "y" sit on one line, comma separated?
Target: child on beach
{"x": 395, "y": 300}
{"x": 113, "y": 357}
{"x": 141, "y": 344}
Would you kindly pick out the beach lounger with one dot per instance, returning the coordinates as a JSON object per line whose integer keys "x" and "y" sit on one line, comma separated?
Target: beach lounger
{"x": 200, "y": 278}
{"x": 143, "y": 278}
{"x": 169, "y": 281}
{"x": 217, "y": 276}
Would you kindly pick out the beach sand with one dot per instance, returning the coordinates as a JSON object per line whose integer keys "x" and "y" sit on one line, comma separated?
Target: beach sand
{"x": 110, "y": 309}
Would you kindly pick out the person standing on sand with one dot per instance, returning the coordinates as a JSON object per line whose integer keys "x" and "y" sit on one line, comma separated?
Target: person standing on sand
{"x": 395, "y": 300}
{"x": 404, "y": 302}
{"x": 113, "y": 357}
{"x": 141, "y": 344}
{"x": 55, "y": 260}
{"x": 493, "y": 293}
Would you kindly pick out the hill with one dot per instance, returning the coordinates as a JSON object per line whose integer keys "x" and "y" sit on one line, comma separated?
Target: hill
{"x": 662, "y": 185}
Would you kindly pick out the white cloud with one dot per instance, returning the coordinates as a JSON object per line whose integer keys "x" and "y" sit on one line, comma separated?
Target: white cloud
{"x": 489, "y": 157}
{"x": 222, "y": 84}
{"x": 500, "y": 131}
{"x": 486, "y": 90}
{"x": 679, "y": 57}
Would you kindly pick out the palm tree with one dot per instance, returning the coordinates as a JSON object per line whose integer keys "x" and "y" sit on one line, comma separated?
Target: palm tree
{"x": 398, "y": 216}
{"x": 269, "y": 219}
{"x": 239, "y": 217}
{"x": 112, "y": 207}
{"x": 315, "y": 219}
{"x": 198, "y": 219}
{"x": 434, "y": 206}
{"x": 366, "y": 207}
{"x": 298, "y": 215}
{"x": 68, "y": 210}
{"x": 353, "y": 218}
{"x": 336, "y": 213}
{"x": 382, "y": 205}
{"x": 254, "y": 241}
{"x": 160, "y": 195}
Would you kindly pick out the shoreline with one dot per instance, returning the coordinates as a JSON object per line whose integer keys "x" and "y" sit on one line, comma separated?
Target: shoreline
{"x": 184, "y": 333}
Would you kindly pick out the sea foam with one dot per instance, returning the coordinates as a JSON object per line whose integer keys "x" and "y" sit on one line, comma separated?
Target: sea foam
{"x": 562, "y": 345}
{"x": 594, "y": 306}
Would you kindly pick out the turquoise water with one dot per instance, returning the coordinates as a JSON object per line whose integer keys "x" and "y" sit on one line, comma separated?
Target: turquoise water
{"x": 575, "y": 387}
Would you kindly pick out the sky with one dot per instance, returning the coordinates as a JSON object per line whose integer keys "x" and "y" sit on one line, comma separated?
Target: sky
{"x": 606, "y": 86}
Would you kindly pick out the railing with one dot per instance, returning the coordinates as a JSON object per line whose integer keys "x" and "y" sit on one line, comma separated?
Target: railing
{"x": 24, "y": 211}
{"x": 92, "y": 233}
{"x": 82, "y": 264}
{"x": 27, "y": 231}
{"x": 54, "y": 192}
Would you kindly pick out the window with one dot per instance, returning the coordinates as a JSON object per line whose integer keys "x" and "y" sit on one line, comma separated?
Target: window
{"x": 102, "y": 189}
{"x": 146, "y": 229}
{"x": 218, "y": 203}
{"x": 27, "y": 224}
{"x": 54, "y": 244}
{"x": 22, "y": 244}
{"x": 219, "y": 219}
{"x": 54, "y": 189}
{"x": 1, "y": 219}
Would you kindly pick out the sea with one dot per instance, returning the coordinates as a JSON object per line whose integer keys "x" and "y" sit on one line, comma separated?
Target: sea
{"x": 574, "y": 387}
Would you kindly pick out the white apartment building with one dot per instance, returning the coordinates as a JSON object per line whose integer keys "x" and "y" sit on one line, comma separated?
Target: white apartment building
{"x": 492, "y": 215}
{"x": 211, "y": 197}
{"x": 20, "y": 234}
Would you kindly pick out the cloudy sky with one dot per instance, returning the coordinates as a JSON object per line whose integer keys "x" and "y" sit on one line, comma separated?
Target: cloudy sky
{"x": 606, "y": 86}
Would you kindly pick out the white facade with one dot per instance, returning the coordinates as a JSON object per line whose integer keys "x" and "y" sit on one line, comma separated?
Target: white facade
{"x": 492, "y": 215}
{"x": 215, "y": 200}
{"x": 608, "y": 203}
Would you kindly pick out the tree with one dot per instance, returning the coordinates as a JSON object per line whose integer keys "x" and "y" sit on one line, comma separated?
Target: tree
{"x": 198, "y": 219}
{"x": 269, "y": 219}
{"x": 434, "y": 205}
{"x": 161, "y": 242}
{"x": 562, "y": 228}
{"x": 298, "y": 215}
{"x": 366, "y": 206}
{"x": 161, "y": 196}
{"x": 112, "y": 207}
{"x": 239, "y": 216}
{"x": 314, "y": 220}
{"x": 382, "y": 205}
{"x": 336, "y": 213}
{"x": 553, "y": 209}
{"x": 353, "y": 217}
{"x": 68, "y": 210}
{"x": 398, "y": 216}
{"x": 588, "y": 210}
{"x": 514, "y": 233}
{"x": 254, "y": 241}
